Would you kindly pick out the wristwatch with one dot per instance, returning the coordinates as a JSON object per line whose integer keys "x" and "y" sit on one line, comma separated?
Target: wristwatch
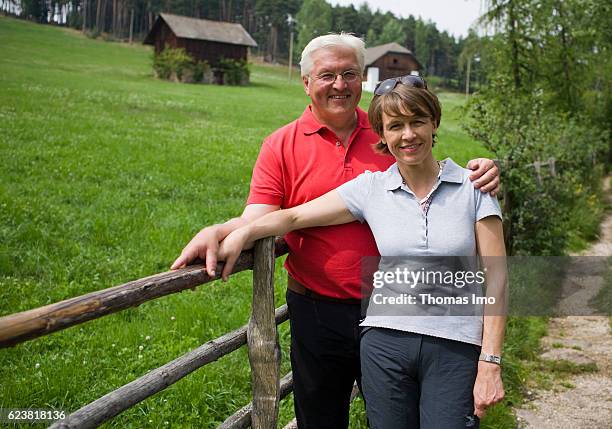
{"x": 490, "y": 358}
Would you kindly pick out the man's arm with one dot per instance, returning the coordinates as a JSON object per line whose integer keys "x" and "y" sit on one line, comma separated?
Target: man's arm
{"x": 485, "y": 175}
{"x": 205, "y": 244}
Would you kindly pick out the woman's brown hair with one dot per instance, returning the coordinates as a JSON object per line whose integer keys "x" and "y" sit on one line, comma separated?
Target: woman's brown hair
{"x": 400, "y": 101}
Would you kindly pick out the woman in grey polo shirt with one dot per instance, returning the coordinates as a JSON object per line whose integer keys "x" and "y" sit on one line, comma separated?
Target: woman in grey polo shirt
{"x": 418, "y": 370}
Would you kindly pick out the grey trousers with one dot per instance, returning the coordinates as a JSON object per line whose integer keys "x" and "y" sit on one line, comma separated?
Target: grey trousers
{"x": 414, "y": 381}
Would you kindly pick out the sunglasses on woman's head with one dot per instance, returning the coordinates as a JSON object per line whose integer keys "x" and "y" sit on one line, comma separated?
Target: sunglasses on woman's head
{"x": 387, "y": 85}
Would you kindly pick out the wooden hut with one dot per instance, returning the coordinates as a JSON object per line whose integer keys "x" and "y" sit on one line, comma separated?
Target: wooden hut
{"x": 391, "y": 60}
{"x": 202, "y": 39}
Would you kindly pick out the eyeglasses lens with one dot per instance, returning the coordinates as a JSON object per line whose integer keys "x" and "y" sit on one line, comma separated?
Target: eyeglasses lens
{"x": 415, "y": 81}
{"x": 410, "y": 80}
{"x": 385, "y": 86}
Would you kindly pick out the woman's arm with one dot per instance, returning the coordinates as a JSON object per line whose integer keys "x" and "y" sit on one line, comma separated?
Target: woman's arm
{"x": 328, "y": 209}
{"x": 488, "y": 388}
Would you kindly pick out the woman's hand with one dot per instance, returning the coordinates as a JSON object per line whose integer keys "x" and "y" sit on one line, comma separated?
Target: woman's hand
{"x": 230, "y": 249}
{"x": 488, "y": 388}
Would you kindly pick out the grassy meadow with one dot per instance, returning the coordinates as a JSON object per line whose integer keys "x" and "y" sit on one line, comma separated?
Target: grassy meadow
{"x": 105, "y": 174}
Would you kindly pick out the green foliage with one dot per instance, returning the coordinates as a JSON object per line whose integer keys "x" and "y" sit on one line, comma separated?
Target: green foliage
{"x": 519, "y": 130}
{"x": 543, "y": 100}
{"x": 270, "y": 29}
{"x": 36, "y": 10}
{"x": 314, "y": 19}
{"x": 176, "y": 64}
{"x": 171, "y": 61}
{"x": 235, "y": 72}
{"x": 391, "y": 32}
{"x": 346, "y": 18}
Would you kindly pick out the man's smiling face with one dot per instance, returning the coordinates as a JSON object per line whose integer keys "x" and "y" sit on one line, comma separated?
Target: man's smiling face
{"x": 333, "y": 101}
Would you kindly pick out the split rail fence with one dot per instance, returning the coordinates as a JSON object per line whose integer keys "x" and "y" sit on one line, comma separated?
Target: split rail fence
{"x": 268, "y": 388}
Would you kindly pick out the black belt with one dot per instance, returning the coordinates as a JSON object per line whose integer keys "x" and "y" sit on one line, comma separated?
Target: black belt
{"x": 295, "y": 286}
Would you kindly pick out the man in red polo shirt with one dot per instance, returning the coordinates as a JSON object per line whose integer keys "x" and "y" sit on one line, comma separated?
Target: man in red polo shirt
{"x": 328, "y": 145}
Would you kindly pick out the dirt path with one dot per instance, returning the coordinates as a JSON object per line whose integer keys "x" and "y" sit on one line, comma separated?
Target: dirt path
{"x": 585, "y": 400}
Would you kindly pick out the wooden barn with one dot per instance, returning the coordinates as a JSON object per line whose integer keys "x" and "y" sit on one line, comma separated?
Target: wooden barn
{"x": 201, "y": 38}
{"x": 391, "y": 60}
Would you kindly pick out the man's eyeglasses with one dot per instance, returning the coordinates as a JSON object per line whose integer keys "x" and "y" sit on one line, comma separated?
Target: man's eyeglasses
{"x": 387, "y": 85}
{"x": 329, "y": 77}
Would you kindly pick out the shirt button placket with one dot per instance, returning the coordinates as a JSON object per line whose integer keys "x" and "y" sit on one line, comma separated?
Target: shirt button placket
{"x": 426, "y": 231}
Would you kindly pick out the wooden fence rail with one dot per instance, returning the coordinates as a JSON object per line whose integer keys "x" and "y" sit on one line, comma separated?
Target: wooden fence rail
{"x": 260, "y": 335}
{"x": 30, "y": 324}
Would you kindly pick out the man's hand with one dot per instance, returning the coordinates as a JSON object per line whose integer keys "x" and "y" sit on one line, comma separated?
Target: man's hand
{"x": 485, "y": 175}
{"x": 204, "y": 245}
{"x": 488, "y": 388}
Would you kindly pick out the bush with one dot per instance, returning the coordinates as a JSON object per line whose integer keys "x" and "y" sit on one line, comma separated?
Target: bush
{"x": 235, "y": 72}
{"x": 170, "y": 63}
{"x": 202, "y": 72}
{"x": 520, "y": 130}
{"x": 177, "y": 65}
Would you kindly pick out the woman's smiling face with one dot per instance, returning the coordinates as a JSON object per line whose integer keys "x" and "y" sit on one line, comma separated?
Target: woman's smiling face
{"x": 409, "y": 137}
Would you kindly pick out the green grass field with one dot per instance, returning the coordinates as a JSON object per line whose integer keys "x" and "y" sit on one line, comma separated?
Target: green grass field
{"x": 105, "y": 174}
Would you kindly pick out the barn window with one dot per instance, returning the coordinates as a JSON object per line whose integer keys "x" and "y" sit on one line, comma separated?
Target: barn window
{"x": 394, "y": 60}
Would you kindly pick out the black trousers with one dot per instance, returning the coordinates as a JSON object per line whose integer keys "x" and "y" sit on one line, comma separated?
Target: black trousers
{"x": 413, "y": 381}
{"x": 324, "y": 360}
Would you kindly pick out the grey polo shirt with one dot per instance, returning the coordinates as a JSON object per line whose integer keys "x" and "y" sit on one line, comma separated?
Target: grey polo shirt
{"x": 401, "y": 228}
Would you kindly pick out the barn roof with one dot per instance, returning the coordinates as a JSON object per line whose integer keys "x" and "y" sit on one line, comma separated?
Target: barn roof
{"x": 375, "y": 52}
{"x": 203, "y": 29}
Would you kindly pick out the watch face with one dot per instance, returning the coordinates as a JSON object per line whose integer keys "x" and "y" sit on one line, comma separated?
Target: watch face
{"x": 490, "y": 358}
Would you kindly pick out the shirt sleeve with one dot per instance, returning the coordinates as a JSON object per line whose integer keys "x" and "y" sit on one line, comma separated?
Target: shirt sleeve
{"x": 486, "y": 205}
{"x": 355, "y": 194}
{"x": 267, "y": 181}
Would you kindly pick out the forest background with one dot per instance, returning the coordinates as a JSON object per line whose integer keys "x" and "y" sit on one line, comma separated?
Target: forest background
{"x": 270, "y": 22}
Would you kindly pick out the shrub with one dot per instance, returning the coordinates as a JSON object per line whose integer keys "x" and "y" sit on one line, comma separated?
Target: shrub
{"x": 171, "y": 62}
{"x": 235, "y": 72}
{"x": 176, "y": 64}
{"x": 520, "y": 130}
{"x": 202, "y": 72}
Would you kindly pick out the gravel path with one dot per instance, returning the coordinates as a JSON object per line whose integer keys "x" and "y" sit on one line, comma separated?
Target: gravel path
{"x": 586, "y": 402}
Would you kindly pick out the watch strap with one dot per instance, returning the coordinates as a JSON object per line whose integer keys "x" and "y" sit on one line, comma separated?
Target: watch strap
{"x": 490, "y": 358}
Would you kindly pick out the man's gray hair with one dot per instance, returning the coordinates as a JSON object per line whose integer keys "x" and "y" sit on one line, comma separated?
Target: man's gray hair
{"x": 344, "y": 40}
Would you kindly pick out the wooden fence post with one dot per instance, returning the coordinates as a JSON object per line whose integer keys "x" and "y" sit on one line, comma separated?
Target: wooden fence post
{"x": 262, "y": 338}
{"x": 551, "y": 165}
{"x": 537, "y": 165}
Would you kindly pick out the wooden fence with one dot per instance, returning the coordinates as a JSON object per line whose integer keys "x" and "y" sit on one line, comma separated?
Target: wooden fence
{"x": 260, "y": 335}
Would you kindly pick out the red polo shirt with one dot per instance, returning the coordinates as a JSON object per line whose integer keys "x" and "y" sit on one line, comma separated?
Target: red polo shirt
{"x": 300, "y": 162}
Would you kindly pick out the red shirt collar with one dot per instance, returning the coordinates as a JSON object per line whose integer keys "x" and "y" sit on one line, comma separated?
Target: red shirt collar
{"x": 310, "y": 125}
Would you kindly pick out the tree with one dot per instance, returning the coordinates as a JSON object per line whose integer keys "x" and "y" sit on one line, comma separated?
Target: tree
{"x": 365, "y": 19}
{"x": 346, "y": 18}
{"x": 392, "y": 32}
{"x": 272, "y": 32}
{"x": 35, "y": 10}
{"x": 409, "y": 25}
{"x": 471, "y": 49}
{"x": 314, "y": 19}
